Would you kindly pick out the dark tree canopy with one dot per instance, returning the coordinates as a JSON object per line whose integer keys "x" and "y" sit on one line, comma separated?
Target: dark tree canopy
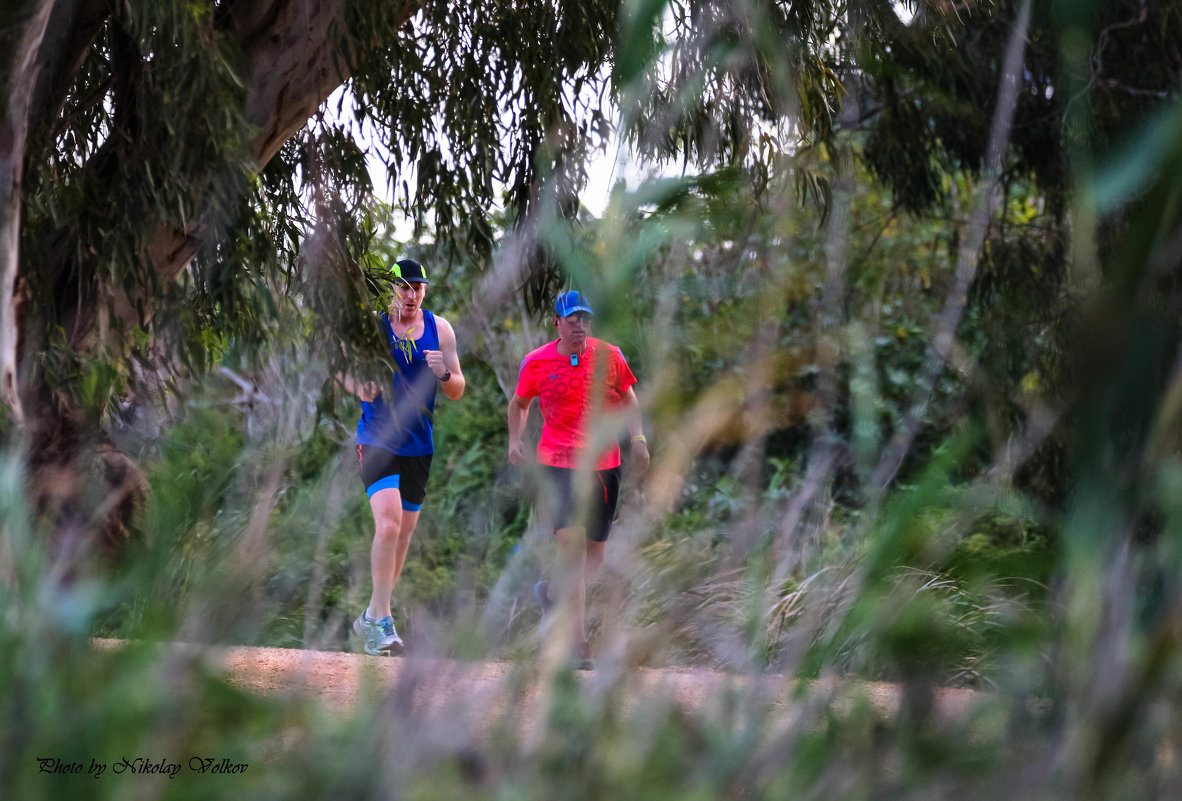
{"x": 935, "y": 90}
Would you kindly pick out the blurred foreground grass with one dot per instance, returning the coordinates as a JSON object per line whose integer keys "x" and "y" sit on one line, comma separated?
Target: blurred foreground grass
{"x": 1029, "y": 548}
{"x": 1077, "y": 679}
{"x": 1066, "y": 623}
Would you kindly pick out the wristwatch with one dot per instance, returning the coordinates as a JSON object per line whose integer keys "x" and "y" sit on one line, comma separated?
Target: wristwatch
{"x": 446, "y": 377}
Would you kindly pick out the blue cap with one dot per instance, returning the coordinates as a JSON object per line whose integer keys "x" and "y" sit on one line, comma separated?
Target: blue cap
{"x": 570, "y": 302}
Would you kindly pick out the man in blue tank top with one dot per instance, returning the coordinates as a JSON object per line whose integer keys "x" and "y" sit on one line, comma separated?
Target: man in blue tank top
{"x": 395, "y": 442}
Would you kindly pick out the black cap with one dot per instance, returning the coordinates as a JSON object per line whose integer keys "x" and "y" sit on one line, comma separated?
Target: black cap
{"x": 409, "y": 271}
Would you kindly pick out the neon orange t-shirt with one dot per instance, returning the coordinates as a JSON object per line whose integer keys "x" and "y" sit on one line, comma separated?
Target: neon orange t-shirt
{"x": 563, "y": 391}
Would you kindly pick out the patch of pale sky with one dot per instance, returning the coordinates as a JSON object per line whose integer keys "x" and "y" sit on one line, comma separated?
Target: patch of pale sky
{"x": 607, "y": 167}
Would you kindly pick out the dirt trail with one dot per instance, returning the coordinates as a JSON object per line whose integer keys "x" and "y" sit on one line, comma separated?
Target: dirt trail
{"x": 474, "y": 690}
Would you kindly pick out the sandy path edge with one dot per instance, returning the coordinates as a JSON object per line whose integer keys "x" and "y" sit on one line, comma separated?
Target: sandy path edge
{"x": 453, "y": 687}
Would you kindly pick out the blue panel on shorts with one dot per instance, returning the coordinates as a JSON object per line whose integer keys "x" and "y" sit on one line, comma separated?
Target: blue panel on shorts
{"x": 411, "y": 507}
{"x": 389, "y": 482}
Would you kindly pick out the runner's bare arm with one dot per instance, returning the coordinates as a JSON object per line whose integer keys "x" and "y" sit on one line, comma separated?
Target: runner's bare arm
{"x": 366, "y": 390}
{"x": 447, "y": 359}
{"x": 518, "y": 412}
{"x": 640, "y": 455}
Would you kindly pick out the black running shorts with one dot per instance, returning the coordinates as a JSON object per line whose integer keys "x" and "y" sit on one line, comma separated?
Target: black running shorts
{"x": 381, "y": 470}
{"x": 560, "y": 501}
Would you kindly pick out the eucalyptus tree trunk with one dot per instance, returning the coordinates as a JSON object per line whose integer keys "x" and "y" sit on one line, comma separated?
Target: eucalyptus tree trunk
{"x": 22, "y": 28}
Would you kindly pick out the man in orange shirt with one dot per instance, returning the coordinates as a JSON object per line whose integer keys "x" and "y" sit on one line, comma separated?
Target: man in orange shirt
{"x": 584, "y": 391}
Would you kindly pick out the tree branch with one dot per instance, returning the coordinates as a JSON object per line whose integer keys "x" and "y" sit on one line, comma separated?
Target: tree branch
{"x": 297, "y": 57}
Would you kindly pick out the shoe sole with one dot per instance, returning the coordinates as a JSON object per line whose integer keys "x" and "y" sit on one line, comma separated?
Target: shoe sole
{"x": 394, "y": 649}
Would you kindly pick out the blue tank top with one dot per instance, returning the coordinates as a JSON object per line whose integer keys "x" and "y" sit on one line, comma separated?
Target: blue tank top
{"x": 400, "y": 419}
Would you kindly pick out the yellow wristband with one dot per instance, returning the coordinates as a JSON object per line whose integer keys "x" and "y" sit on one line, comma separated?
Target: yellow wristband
{"x": 639, "y": 438}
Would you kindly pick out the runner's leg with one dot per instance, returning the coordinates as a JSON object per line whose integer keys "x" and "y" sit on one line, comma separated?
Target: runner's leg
{"x": 405, "y": 532}
{"x": 384, "y": 556}
{"x": 573, "y": 545}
